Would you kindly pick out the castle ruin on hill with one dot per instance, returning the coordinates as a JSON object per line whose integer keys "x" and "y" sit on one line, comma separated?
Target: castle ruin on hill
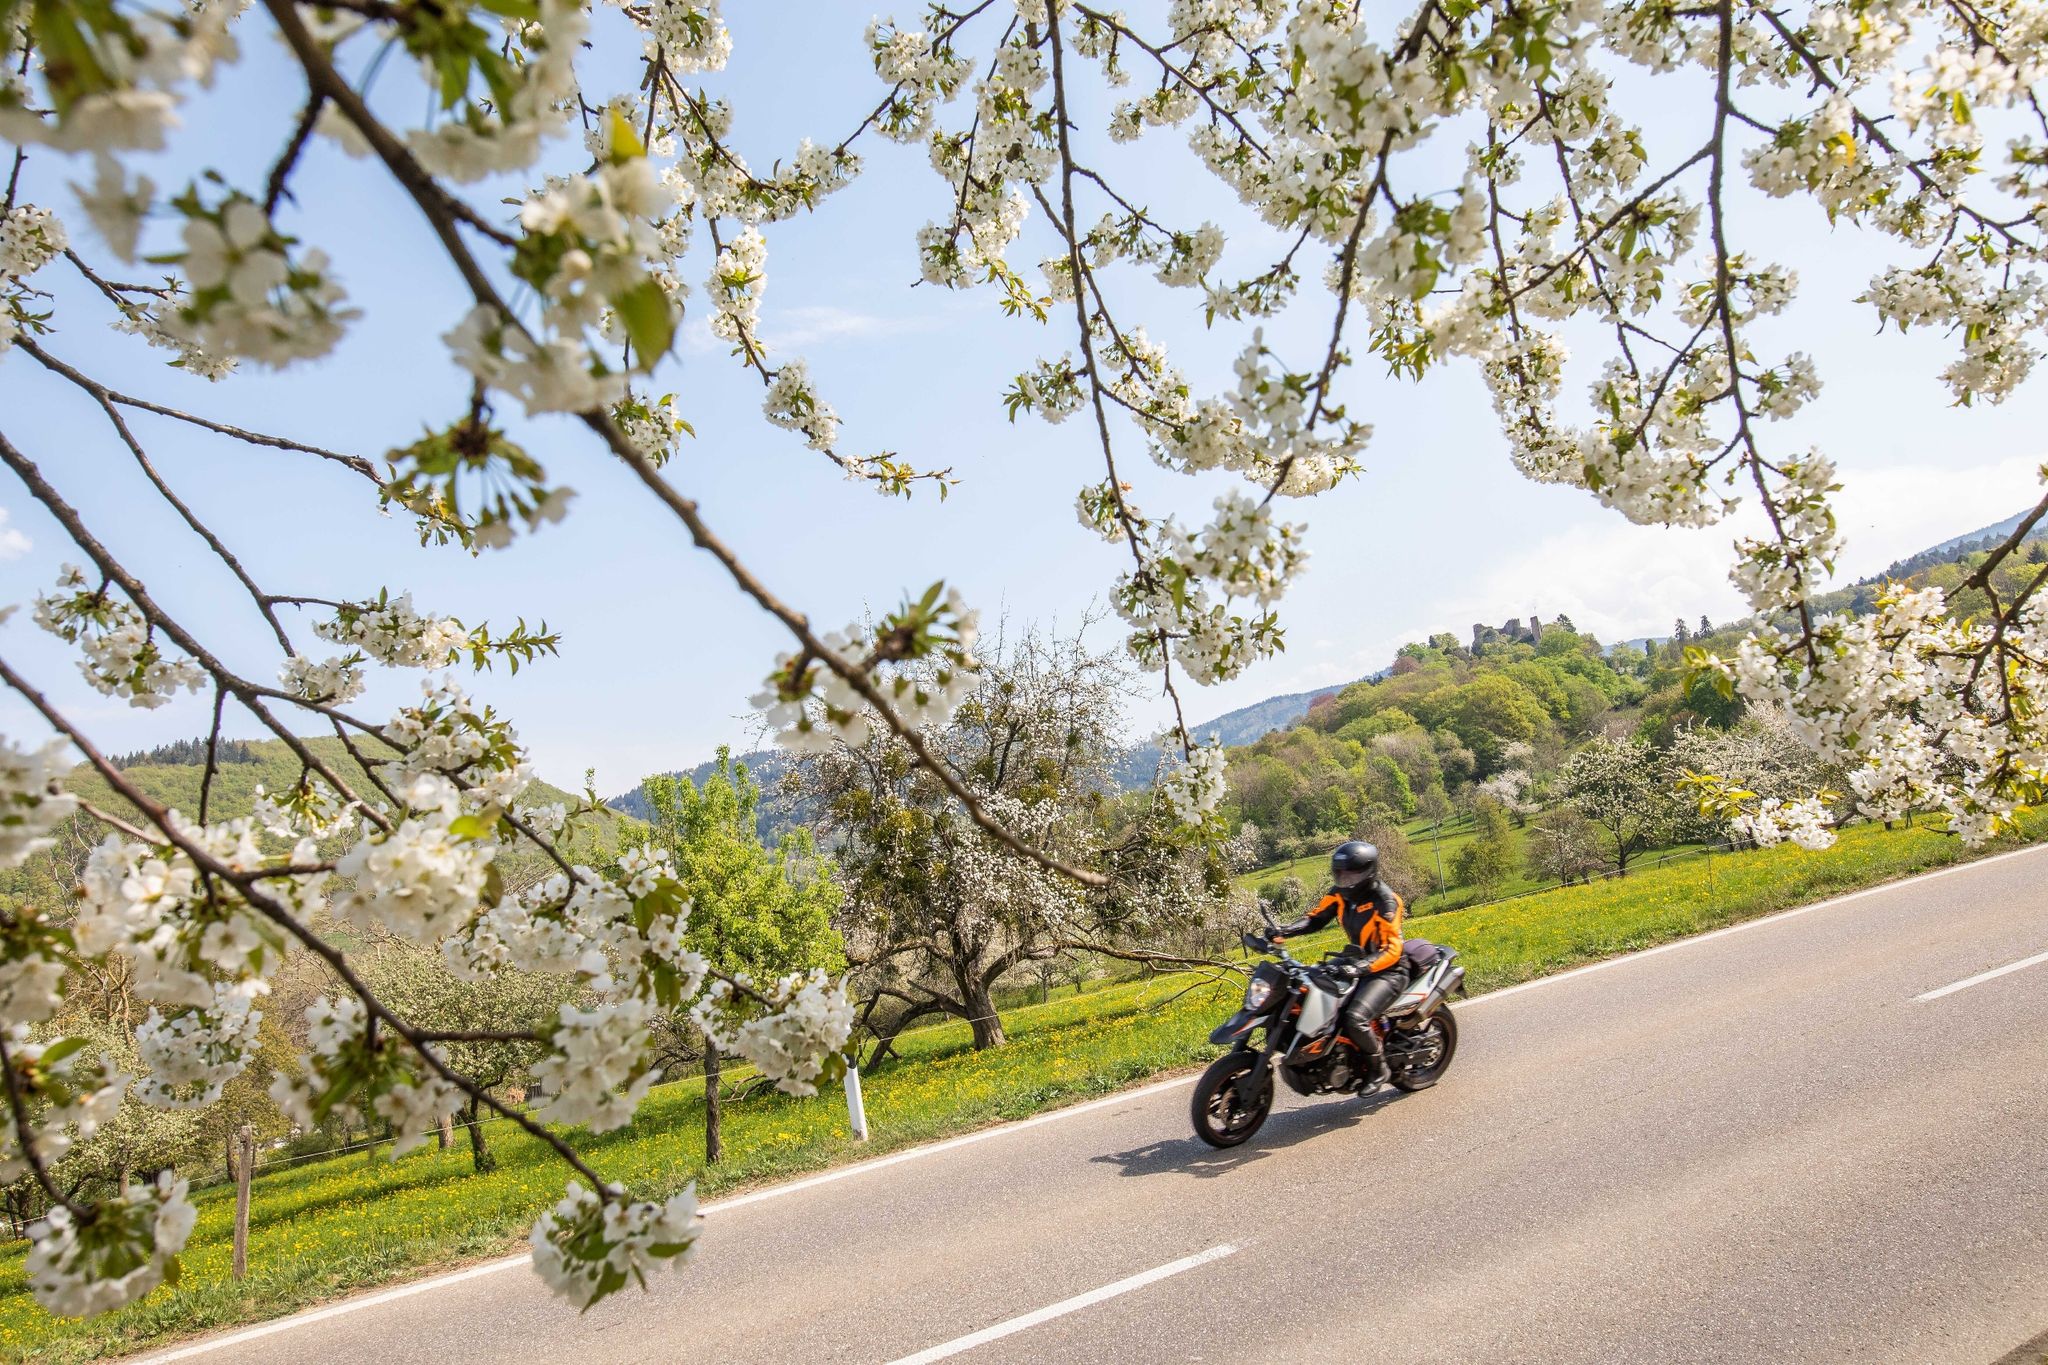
{"x": 1513, "y": 632}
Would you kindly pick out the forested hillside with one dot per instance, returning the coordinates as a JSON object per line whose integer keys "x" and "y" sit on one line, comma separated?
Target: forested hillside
{"x": 242, "y": 767}
{"x": 1949, "y": 566}
{"x": 1447, "y": 725}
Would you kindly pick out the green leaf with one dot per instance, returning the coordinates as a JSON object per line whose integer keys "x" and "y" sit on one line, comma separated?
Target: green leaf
{"x": 59, "y": 1050}
{"x": 471, "y": 826}
{"x": 526, "y": 10}
{"x": 649, "y": 322}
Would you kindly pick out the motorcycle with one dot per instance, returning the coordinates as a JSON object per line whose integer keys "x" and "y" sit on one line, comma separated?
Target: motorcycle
{"x": 1298, "y": 1005}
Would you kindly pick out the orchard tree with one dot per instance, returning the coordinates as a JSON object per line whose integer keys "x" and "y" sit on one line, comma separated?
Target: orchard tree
{"x": 1400, "y": 867}
{"x": 490, "y": 1030}
{"x": 575, "y": 220}
{"x": 1512, "y": 788}
{"x": 1621, "y": 786}
{"x": 938, "y": 912}
{"x": 1486, "y": 861}
{"x": 1562, "y": 846}
{"x": 755, "y": 913}
{"x": 1786, "y": 789}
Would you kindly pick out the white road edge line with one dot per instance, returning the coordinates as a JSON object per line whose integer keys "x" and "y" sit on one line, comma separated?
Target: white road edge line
{"x": 1050, "y": 1116}
{"x": 1064, "y": 1307}
{"x": 1981, "y": 977}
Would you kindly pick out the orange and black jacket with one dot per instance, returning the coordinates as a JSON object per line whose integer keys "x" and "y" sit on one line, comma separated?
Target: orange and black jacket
{"x": 1372, "y": 923}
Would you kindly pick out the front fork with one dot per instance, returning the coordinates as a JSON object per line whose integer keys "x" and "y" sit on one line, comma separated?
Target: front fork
{"x": 1265, "y": 1059}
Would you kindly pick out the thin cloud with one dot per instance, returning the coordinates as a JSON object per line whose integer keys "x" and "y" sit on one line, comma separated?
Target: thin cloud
{"x": 13, "y": 544}
{"x": 810, "y": 325}
{"x": 789, "y": 329}
{"x": 1620, "y": 581}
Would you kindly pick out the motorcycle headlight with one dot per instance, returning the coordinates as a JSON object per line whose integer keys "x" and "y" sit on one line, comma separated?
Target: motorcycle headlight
{"x": 1257, "y": 992}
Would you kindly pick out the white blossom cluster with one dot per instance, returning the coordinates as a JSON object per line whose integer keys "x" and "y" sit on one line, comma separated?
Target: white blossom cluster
{"x": 30, "y": 237}
{"x": 488, "y": 135}
{"x": 312, "y": 810}
{"x": 1181, "y": 596}
{"x": 921, "y": 73}
{"x": 557, "y": 374}
{"x": 1903, "y": 702}
{"x": 591, "y": 237}
{"x": 415, "y": 1110}
{"x": 424, "y": 875}
{"x": 195, "y": 1052}
{"x": 586, "y": 1247}
{"x": 79, "y": 1268}
{"x": 793, "y": 405}
{"x": 146, "y": 59}
{"x": 330, "y": 681}
{"x": 448, "y": 736}
{"x": 738, "y": 280}
{"x": 391, "y": 631}
{"x": 597, "y": 1069}
{"x": 122, "y": 656}
{"x": 688, "y": 35}
{"x": 1995, "y": 314}
{"x": 1194, "y": 787}
{"x": 806, "y": 1021}
{"x": 200, "y": 954}
{"x": 249, "y": 294}
{"x": 146, "y": 320}
{"x": 33, "y": 801}
{"x": 1806, "y": 822}
{"x": 67, "y": 1098}
{"x": 928, "y": 650}
{"x": 345, "y": 1070}
{"x": 31, "y": 977}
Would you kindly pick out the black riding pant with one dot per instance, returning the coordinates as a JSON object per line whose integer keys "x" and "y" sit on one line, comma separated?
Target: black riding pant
{"x": 1368, "y": 1000}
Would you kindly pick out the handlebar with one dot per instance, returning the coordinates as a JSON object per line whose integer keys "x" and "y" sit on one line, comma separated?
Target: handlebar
{"x": 1259, "y": 944}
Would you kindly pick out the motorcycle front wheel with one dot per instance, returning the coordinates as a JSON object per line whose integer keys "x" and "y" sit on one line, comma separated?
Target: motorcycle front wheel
{"x": 1221, "y": 1118}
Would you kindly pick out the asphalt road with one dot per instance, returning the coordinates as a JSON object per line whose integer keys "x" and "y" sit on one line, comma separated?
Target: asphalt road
{"x": 1755, "y": 1146}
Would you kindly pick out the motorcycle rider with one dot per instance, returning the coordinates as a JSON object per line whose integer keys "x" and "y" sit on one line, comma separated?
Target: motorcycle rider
{"x": 1370, "y": 914}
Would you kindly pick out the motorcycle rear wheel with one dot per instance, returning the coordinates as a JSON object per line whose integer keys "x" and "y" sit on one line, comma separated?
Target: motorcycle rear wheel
{"x": 1220, "y": 1119}
{"x": 1422, "y": 1078}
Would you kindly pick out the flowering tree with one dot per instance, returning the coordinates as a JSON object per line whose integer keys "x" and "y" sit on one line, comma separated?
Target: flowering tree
{"x": 937, "y": 911}
{"x": 1621, "y": 786}
{"x": 1761, "y": 778}
{"x": 1562, "y": 846}
{"x": 492, "y": 1026}
{"x": 1513, "y": 787}
{"x": 1331, "y": 128}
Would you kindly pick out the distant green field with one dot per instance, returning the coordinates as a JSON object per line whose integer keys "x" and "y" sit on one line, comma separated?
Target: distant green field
{"x": 1446, "y": 842}
{"x": 336, "y": 1225}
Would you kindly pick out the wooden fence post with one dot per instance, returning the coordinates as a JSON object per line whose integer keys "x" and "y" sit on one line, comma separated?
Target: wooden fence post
{"x": 246, "y": 1140}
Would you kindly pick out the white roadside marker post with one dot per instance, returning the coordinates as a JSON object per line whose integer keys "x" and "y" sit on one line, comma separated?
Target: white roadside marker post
{"x": 856, "y": 1111}
{"x": 245, "y": 1145}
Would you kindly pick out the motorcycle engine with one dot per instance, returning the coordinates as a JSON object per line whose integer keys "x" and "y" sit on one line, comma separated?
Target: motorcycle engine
{"x": 1320, "y": 1075}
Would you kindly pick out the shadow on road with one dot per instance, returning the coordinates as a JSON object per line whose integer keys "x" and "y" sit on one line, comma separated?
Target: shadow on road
{"x": 1192, "y": 1156}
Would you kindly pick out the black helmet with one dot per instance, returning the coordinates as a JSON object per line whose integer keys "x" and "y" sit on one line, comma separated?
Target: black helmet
{"x": 1354, "y": 864}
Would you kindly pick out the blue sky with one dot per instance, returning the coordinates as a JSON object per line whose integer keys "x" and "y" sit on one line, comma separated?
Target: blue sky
{"x": 660, "y": 652}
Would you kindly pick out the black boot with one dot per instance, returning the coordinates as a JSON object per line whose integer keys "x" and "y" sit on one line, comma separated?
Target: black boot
{"x": 1372, "y": 1052}
{"x": 1377, "y": 1072}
